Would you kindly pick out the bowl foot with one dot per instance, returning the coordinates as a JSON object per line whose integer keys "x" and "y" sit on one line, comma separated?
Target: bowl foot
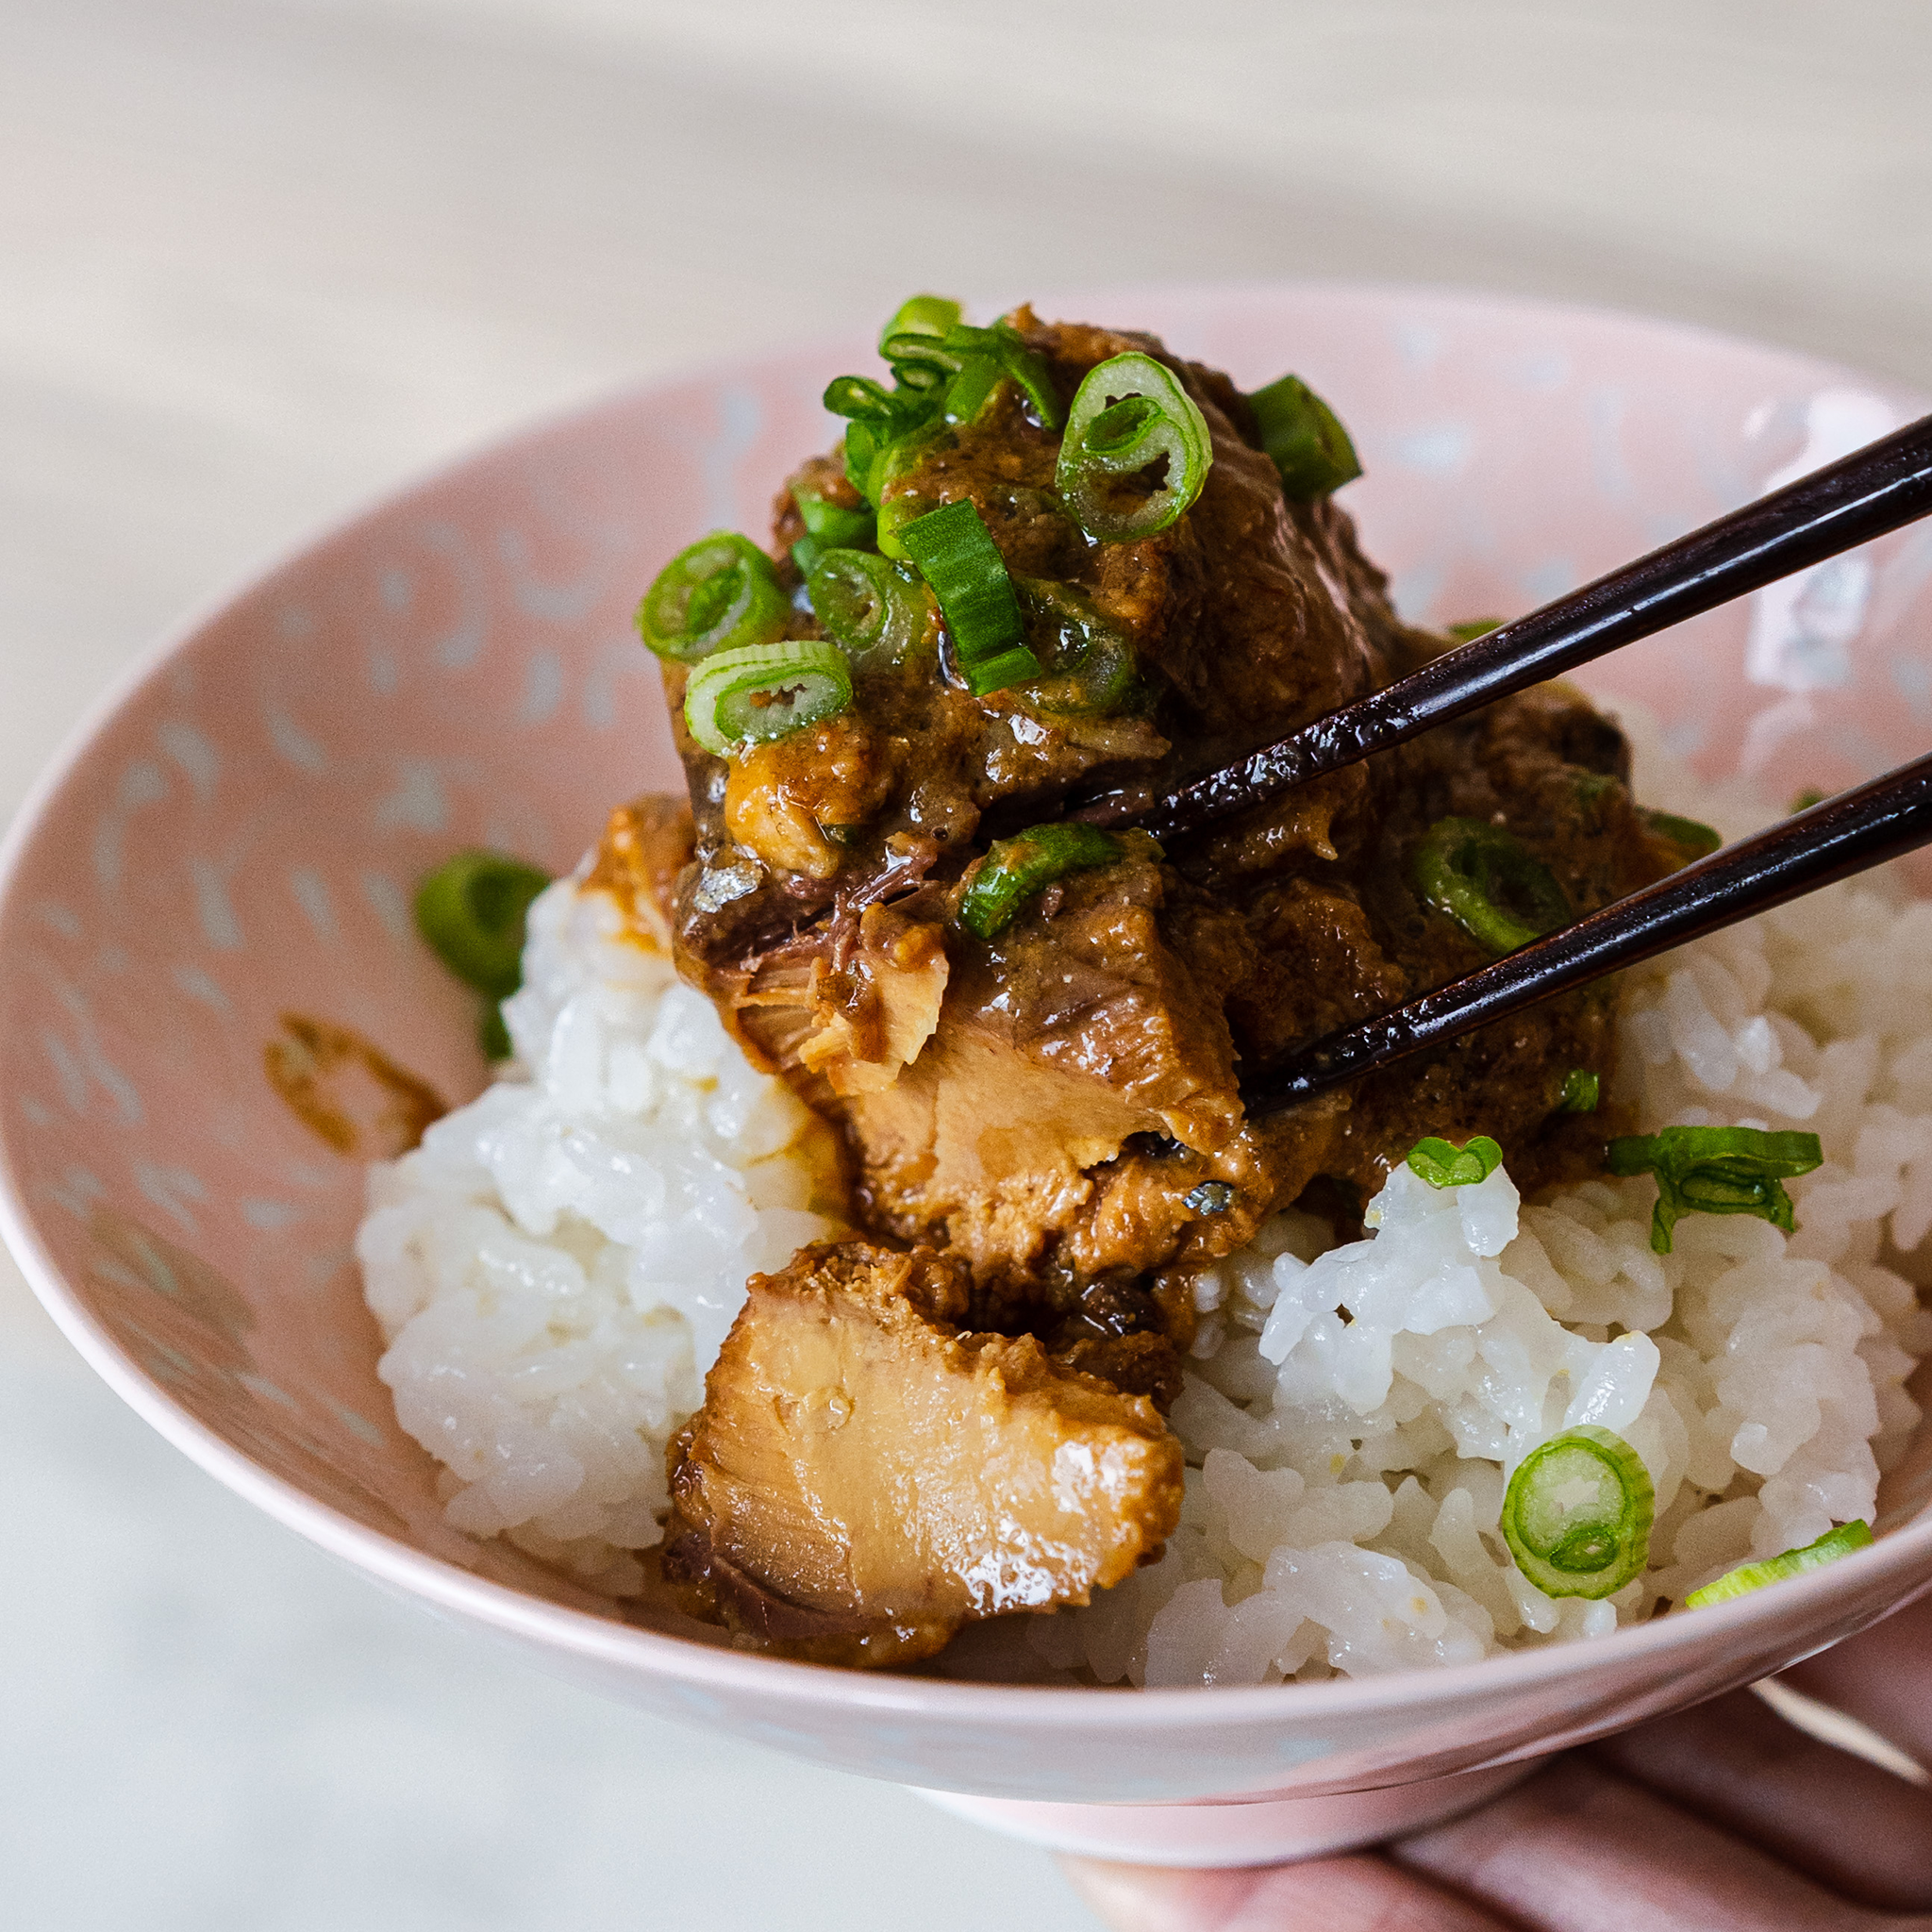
{"x": 1258, "y": 1831}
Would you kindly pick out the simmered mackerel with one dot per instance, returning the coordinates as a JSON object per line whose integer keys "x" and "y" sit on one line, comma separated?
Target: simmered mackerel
{"x": 1032, "y": 1033}
{"x": 1059, "y": 1102}
{"x": 866, "y": 1476}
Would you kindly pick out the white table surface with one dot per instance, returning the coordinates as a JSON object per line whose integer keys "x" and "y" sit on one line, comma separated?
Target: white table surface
{"x": 261, "y": 258}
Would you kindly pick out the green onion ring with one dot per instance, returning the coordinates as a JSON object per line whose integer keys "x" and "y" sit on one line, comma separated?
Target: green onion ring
{"x": 875, "y": 610}
{"x": 1577, "y": 1514}
{"x": 1092, "y": 669}
{"x": 896, "y": 464}
{"x": 1581, "y": 1091}
{"x": 470, "y": 911}
{"x": 1695, "y": 840}
{"x": 1305, "y": 440}
{"x": 1834, "y": 1543}
{"x": 957, "y": 555}
{"x": 833, "y": 525}
{"x": 721, "y": 593}
{"x": 763, "y": 691}
{"x": 879, "y": 419}
{"x": 1131, "y": 413}
{"x": 1015, "y": 869}
{"x": 1716, "y": 1170}
{"x": 968, "y": 391}
{"x": 1484, "y": 879}
{"x": 911, "y": 339}
{"x": 968, "y": 363}
{"x": 1443, "y": 1164}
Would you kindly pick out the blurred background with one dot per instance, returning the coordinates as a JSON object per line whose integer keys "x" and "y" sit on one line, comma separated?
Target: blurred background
{"x": 261, "y": 259}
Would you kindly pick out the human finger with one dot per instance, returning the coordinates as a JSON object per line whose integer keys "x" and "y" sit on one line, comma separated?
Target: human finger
{"x": 1883, "y": 1678}
{"x": 1867, "y": 1834}
{"x": 1360, "y": 1894}
{"x": 1579, "y": 1848}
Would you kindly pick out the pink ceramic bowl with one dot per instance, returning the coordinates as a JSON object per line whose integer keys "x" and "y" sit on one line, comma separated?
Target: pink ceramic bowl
{"x": 234, "y": 837}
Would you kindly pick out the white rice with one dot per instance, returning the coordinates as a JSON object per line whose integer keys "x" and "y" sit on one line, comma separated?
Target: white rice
{"x": 556, "y": 1266}
{"x": 557, "y": 1262}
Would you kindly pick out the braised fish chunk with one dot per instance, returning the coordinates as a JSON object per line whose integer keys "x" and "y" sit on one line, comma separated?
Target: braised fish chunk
{"x": 865, "y": 1477}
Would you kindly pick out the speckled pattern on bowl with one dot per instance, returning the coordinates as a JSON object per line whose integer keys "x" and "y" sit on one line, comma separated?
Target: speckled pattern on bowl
{"x": 234, "y": 838}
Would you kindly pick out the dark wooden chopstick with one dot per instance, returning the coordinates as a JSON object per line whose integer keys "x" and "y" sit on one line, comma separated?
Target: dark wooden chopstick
{"x": 1847, "y": 834}
{"x": 1873, "y": 491}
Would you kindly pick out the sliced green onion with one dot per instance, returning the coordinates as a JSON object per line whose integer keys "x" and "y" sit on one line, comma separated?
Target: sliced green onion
{"x": 1581, "y": 1088}
{"x": 470, "y": 911}
{"x": 1015, "y": 869}
{"x": 1483, "y": 880}
{"x": 492, "y": 1036}
{"x": 1443, "y": 1164}
{"x": 1092, "y": 669}
{"x": 967, "y": 393}
{"x": 833, "y": 523}
{"x": 957, "y": 555}
{"x": 875, "y": 609}
{"x": 1716, "y": 1170}
{"x": 720, "y": 593}
{"x": 1577, "y": 1514}
{"x": 1004, "y": 346}
{"x": 985, "y": 675}
{"x": 763, "y": 691}
{"x": 1687, "y": 835}
{"x": 1306, "y": 439}
{"x": 1806, "y": 799}
{"x": 908, "y": 341}
{"x": 898, "y": 461}
{"x": 967, "y": 362}
{"x": 1833, "y": 1544}
{"x": 1131, "y": 413}
{"x": 879, "y": 418}
{"x": 1475, "y": 628}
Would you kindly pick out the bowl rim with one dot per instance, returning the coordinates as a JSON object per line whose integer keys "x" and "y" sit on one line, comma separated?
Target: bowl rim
{"x": 633, "y": 1648}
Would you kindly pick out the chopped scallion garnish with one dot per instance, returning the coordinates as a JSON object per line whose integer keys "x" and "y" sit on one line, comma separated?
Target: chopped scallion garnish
{"x": 985, "y": 675}
{"x": 1443, "y": 1164}
{"x": 1690, "y": 836}
{"x": 915, "y": 332}
{"x": 829, "y": 526}
{"x": 957, "y": 555}
{"x": 874, "y": 608}
{"x": 716, "y": 595}
{"x": 1484, "y": 879}
{"x": 1306, "y": 439}
{"x": 763, "y": 691}
{"x": 1475, "y": 628}
{"x": 1090, "y": 667}
{"x": 1581, "y": 1088}
{"x": 1015, "y": 869}
{"x": 879, "y": 419}
{"x": 471, "y": 910}
{"x": 943, "y": 370}
{"x": 930, "y": 349}
{"x": 1130, "y": 419}
{"x": 1716, "y": 1170}
{"x": 1577, "y": 1514}
{"x": 1833, "y": 1544}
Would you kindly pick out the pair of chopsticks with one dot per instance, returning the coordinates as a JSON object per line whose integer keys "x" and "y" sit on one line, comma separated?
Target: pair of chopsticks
{"x": 1870, "y": 492}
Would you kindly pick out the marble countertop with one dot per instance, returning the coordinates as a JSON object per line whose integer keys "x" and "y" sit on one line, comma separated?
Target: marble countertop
{"x": 260, "y": 259}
